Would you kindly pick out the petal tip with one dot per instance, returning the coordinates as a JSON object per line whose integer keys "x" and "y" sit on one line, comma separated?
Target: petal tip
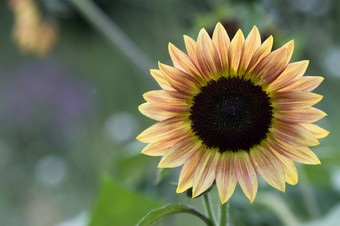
{"x": 293, "y": 182}
{"x": 159, "y": 64}
{"x": 239, "y": 33}
{"x": 326, "y": 133}
{"x": 140, "y": 107}
{"x": 178, "y": 191}
{"x": 202, "y": 32}
{"x": 194, "y": 192}
{"x": 306, "y": 63}
{"x": 251, "y": 200}
{"x": 255, "y": 28}
{"x": 283, "y": 189}
{"x": 185, "y": 37}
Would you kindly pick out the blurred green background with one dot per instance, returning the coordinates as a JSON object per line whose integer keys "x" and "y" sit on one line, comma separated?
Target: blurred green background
{"x": 68, "y": 154}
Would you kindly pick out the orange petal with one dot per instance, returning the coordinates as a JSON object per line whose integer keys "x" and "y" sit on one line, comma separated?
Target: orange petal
{"x": 298, "y": 154}
{"x": 235, "y": 52}
{"x": 259, "y": 54}
{"x": 292, "y": 73}
{"x": 302, "y": 115}
{"x": 154, "y": 112}
{"x": 157, "y": 149}
{"x": 166, "y": 130}
{"x": 289, "y": 167}
{"x": 306, "y": 84}
{"x": 166, "y": 102}
{"x": 174, "y": 93}
{"x": 179, "y": 153}
{"x": 160, "y": 79}
{"x": 271, "y": 66}
{"x": 183, "y": 62}
{"x": 293, "y": 134}
{"x": 222, "y": 42}
{"x": 316, "y": 130}
{"x": 225, "y": 176}
{"x": 180, "y": 80}
{"x": 186, "y": 177}
{"x": 268, "y": 167}
{"x": 294, "y": 100}
{"x": 246, "y": 174}
{"x": 191, "y": 47}
{"x": 252, "y": 43}
{"x": 205, "y": 172}
{"x": 207, "y": 55}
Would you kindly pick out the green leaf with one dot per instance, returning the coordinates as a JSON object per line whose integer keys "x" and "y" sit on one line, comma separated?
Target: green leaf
{"x": 157, "y": 214}
{"x": 118, "y": 205}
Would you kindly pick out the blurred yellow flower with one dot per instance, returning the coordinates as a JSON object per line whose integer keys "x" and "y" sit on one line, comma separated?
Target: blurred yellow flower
{"x": 229, "y": 110}
{"x": 31, "y": 33}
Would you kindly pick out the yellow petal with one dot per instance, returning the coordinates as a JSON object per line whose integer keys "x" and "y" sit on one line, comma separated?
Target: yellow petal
{"x": 302, "y": 115}
{"x": 252, "y": 43}
{"x": 160, "y": 79}
{"x": 166, "y": 102}
{"x": 259, "y": 54}
{"x": 186, "y": 177}
{"x": 270, "y": 67}
{"x": 222, "y": 42}
{"x": 225, "y": 176}
{"x": 298, "y": 154}
{"x": 294, "y": 100}
{"x": 306, "y": 84}
{"x": 235, "y": 52}
{"x": 292, "y": 73}
{"x": 183, "y": 62}
{"x": 289, "y": 167}
{"x": 205, "y": 172}
{"x": 166, "y": 130}
{"x": 157, "y": 149}
{"x": 154, "y": 112}
{"x": 207, "y": 55}
{"x": 268, "y": 166}
{"x": 246, "y": 174}
{"x": 179, "y": 80}
{"x": 316, "y": 130}
{"x": 179, "y": 153}
{"x": 293, "y": 134}
{"x": 191, "y": 47}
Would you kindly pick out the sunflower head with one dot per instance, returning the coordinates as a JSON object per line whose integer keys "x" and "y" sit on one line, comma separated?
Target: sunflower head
{"x": 230, "y": 110}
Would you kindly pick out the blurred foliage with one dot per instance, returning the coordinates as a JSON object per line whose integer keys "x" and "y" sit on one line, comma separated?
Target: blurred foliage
{"x": 72, "y": 117}
{"x": 117, "y": 205}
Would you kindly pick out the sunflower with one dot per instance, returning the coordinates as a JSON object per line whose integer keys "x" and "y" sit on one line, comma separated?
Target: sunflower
{"x": 229, "y": 110}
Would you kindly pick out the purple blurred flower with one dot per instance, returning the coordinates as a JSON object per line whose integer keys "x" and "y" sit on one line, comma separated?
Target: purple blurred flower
{"x": 44, "y": 91}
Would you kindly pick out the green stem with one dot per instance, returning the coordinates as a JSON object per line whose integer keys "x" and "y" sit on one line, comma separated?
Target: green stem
{"x": 224, "y": 214}
{"x": 207, "y": 221}
{"x": 111, "y": 31}
{"x": 208, "y": 209}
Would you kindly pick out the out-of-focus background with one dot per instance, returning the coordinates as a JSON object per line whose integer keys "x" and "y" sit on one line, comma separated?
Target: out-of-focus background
{"x": 69, "y": 118}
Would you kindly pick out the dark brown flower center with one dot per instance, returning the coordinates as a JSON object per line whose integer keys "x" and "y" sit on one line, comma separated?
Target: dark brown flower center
{"x": 231, "y": 114}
